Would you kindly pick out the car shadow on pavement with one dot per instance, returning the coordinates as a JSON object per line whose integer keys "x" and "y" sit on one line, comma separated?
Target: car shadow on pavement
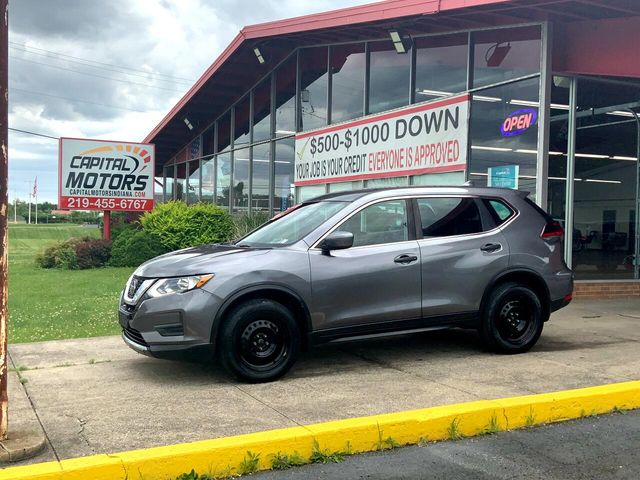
{"x": 438, "y": 345}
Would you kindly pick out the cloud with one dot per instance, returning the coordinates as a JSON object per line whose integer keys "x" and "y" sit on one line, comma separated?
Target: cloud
{"x": 112, "y": 69}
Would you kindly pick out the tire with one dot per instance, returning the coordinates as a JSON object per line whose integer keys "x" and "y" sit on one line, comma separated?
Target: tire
{"x": 259, "y": 341}
{"x": 513, "y": 319}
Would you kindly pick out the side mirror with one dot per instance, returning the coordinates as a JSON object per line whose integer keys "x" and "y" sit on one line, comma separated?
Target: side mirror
{"x": 337, "y": 241}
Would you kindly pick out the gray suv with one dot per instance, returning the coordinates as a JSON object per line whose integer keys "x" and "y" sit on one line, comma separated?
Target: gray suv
{"x": 355, "y": 264}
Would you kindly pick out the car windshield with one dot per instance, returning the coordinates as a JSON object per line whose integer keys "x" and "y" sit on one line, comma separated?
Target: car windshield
{"x": 293, "y": 226}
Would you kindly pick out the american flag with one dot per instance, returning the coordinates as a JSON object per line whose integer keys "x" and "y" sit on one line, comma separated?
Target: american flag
{"x": 35, "y": 187}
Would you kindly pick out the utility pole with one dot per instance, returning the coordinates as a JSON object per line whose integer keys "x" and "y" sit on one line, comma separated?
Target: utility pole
{"x": 4, "y": 205}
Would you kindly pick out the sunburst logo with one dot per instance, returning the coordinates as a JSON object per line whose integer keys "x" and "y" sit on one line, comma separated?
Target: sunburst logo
{"x": 129, "y": 151}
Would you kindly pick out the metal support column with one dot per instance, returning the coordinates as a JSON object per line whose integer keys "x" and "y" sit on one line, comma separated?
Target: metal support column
{"x": 544, "y": 113}
{"x": 571, "y": 168}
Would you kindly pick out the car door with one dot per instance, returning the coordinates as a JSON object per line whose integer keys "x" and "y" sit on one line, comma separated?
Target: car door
{"x": 377, "y": 280}
{"x": 461, "y": 251}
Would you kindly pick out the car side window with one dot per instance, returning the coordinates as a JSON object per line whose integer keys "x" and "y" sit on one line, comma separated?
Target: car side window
{"x": 384, "y": 222}
{"x": 498, "y": 210}
{"x": 448, "y": 216}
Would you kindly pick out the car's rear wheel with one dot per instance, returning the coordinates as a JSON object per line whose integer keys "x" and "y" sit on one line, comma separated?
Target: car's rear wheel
{"x": 259, "y": 341}
{"x": 513, "y": 319}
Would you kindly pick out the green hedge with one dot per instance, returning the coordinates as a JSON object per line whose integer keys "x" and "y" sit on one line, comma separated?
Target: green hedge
{"x": 76, "y": 254}
{"x": 178, "y": 225}
{"x": 133, "y": 247}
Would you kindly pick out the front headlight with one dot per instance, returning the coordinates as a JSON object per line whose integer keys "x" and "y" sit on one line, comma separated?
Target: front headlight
{"x": 167, "y": 286}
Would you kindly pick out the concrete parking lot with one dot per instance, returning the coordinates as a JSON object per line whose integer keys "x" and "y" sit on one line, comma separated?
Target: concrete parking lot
{"x": 97, "y": 396}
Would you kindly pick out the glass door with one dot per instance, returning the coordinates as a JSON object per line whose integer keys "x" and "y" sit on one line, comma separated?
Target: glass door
{"x": 604, "y": 244}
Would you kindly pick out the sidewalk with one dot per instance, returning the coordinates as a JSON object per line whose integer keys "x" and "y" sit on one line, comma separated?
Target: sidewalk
{"x": 97, "y": 396}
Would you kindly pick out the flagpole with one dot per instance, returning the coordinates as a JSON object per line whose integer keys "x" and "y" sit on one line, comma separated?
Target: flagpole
{"x": 34, "y": 194}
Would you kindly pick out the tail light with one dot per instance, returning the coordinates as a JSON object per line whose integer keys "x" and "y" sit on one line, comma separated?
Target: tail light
{"x": 552, "y": 229}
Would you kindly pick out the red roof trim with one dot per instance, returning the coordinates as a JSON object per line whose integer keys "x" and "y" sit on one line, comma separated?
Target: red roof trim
{"x": 383, "y": 10}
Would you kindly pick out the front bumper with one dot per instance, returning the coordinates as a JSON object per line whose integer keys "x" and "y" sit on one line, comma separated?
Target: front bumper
{"x": 171, "y": 326}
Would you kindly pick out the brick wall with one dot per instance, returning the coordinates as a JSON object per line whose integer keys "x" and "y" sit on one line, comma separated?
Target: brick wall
{"x": 606, "y": 289}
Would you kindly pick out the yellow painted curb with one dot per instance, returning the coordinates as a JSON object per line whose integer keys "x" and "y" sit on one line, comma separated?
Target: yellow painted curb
{"x": 223, "y": 456}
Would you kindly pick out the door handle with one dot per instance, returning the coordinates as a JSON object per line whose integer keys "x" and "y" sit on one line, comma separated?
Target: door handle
{"x": 491, "y": 247}
{"x": 405, "y": 259}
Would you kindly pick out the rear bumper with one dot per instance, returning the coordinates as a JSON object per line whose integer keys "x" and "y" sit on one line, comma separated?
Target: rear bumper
{"x": 561, "y": 302}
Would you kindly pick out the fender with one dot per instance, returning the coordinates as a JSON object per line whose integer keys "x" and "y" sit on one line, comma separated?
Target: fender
{"x": 508, "y": 271}
{"x": 256, "y": 288}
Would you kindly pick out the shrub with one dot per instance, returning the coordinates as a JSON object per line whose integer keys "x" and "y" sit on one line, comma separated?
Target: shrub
{"x": 178, "y": 225}
{"x": 133, "y": 247}
{"x": 243, "y": 223}
{"x": 76, "y": 253}
{"x": 92, "y": 253}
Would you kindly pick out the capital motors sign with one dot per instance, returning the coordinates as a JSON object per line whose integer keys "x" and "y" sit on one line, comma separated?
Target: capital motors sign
{"x": 519, "y": 122}
{"x": 105, "y": 175}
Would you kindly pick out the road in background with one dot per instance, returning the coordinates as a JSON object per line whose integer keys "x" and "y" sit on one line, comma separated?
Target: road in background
{"x": 601, "y": 448}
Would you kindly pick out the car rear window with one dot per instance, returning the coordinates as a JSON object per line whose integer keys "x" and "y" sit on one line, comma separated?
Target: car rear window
{"x": 449, "y": 216}
{"x": 500, "y": 211}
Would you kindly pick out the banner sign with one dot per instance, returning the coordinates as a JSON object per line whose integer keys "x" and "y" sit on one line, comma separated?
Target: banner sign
{"x": 105, "y": 175}
{"x": 503, "y": 177}
{"x": 419, "y": 139}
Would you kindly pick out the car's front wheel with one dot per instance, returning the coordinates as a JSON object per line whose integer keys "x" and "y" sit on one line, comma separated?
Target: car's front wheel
{"x": 512, "y": 319}
{"x": 259, "y": 341}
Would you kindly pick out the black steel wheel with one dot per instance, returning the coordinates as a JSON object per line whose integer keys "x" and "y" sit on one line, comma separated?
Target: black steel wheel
{"x": 259, "y": 341}
{"x": 513, "y": 319}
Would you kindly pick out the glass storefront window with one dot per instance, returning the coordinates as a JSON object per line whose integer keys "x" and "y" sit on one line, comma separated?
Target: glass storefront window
{"x": 558, "y": 137}
{"x": 285, "y": 97}
{"x": 505, "y": 54}
{"x": 310, "y": 191}
{"x": 606, "y": 180}
{"x": 260, "y": 182}
{"x": 516, "y": 148}
{"x": 180, "y": 181}
{"x": 208, "y": 180}
{"x": 208, "y": 138}
{"x": 224, "y": 132}
{"x": 262, "y": 111}
{"x": 439, "y": 179}
{"x": 241, "y": 124}
{"x": 241, "y": 159}
{"x": 387, "y": 182}
{"x": 313, "y": 87}
{"x": 168, "y": 183}
{"x": 283, "y": 189}
{"x": 223, "y": 179}
{"x": 388, "y": 78}
{"x": 193, "y": 191}
{"x": 347, "y": 81}
{"x": 345, "y": 186}
{"x": 441, "y": 66}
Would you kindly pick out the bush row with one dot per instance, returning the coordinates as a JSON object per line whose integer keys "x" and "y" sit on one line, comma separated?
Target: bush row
{"x": 170, "y": 226}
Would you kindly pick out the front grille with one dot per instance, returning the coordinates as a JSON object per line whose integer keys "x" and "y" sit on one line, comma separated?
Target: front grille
{"x": 134, "y": 286}
{"x": 135, "y": 336}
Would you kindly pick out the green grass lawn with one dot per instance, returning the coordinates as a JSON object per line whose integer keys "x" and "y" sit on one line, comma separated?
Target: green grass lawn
{"x": 48, "y": 304}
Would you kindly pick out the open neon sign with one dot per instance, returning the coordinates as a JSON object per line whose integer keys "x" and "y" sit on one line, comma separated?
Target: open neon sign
{"x": 519, "y": 122}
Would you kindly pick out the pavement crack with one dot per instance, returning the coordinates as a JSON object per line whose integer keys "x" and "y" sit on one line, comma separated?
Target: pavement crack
{"x": 271, "y": 407}
{"x": 35, "y": 412}
{"x": 82, "y": 422}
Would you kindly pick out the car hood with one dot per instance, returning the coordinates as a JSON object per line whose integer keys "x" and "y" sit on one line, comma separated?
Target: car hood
{"x": 194, "y": 260}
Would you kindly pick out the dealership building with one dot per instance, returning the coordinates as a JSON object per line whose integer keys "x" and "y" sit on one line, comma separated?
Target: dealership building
{"x": 540, "y": 95}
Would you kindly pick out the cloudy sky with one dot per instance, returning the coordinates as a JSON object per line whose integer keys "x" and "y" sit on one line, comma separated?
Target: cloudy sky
{"x": 112, "y": 69}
